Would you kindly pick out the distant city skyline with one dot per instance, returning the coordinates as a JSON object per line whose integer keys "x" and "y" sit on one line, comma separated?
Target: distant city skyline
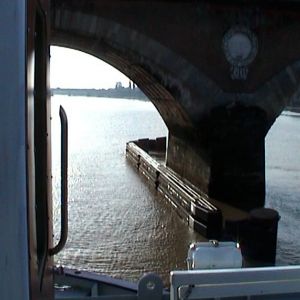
{"x": 74, "y": 69}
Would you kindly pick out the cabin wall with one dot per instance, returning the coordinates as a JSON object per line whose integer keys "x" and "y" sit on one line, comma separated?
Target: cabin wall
{"x": 25, "y": 158}
{"x": 14, "y": 276}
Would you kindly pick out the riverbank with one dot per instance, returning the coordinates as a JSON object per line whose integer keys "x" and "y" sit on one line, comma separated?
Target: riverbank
{"x": 120, "y": 93}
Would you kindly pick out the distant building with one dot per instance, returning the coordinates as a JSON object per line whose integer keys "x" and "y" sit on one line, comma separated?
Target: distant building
{"x": 119, "y": 85}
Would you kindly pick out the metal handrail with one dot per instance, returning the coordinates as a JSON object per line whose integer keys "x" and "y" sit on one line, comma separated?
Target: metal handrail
{"x": 64, "y": 183}
{"x": 251, "y": 283}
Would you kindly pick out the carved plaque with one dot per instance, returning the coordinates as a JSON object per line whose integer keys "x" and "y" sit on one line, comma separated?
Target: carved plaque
{"x": 240, "y": 49}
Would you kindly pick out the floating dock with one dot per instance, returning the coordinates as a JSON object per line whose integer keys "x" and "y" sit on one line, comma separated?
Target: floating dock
{"x": 193, "y": 207}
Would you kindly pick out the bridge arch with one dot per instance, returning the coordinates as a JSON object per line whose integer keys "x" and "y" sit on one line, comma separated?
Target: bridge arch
{"x": 112, "y": 43}
{"x": 180, "y": 91}
{"x": 187, "y": 78}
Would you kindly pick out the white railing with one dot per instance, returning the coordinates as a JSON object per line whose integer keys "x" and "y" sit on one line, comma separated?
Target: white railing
{"x": 251, "y": 283}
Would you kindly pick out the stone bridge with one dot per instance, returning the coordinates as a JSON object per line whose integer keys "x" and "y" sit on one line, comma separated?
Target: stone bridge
{"x": 219, "y": 75}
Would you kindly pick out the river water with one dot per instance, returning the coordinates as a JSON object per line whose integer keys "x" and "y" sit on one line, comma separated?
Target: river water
{"x": 120, "y": 226}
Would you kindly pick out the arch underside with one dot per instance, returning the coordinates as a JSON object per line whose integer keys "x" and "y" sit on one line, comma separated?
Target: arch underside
{"x": 143, "y": 70}
{"x": 181, "y": 92}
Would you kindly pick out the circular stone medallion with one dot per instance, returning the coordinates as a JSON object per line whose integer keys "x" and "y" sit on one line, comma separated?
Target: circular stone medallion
{"x": 240, "y": 48}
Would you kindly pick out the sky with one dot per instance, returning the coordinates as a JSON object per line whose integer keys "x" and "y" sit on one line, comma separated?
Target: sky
{"x": 75, "y": 69}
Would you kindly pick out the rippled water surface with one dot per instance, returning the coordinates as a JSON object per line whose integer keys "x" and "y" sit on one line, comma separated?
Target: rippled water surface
{"x": 120, "y": 226}
{"x": 283, "y": 184}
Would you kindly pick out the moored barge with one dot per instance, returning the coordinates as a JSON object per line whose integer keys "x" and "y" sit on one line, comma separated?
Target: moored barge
{"x": 193, "y": 206}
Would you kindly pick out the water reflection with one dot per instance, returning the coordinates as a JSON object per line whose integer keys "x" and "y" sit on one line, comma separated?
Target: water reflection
{"x": 118, "y": 225}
